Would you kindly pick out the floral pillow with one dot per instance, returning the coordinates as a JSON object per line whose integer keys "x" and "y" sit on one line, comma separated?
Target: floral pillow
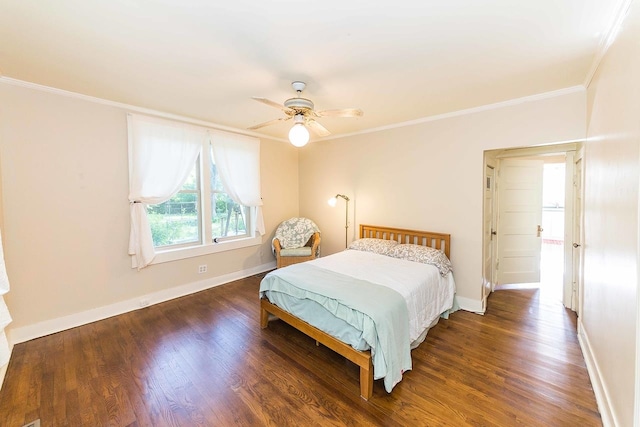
{"x": 378, "y": 246}
{"x": 422, "y": 254}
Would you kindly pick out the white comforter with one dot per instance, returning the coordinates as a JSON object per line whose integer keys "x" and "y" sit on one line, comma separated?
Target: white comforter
{"x": 426, "y": 292}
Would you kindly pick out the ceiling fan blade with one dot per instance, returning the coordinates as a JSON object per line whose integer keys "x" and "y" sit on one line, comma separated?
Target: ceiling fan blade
{"x": 345, "y": 112}
{"x": 269, "y": 123}
{"x": 271, "y": 103}
{"x": 317, "y": 128}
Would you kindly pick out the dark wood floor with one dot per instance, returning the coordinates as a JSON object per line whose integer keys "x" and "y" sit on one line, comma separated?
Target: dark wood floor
{"x": 203, "y": 360}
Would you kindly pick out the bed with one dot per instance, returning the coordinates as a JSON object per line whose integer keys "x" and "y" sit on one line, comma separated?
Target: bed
{"x": 372, "y": 303}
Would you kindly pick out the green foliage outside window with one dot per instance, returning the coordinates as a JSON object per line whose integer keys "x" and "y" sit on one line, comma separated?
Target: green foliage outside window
{"x": 227, "y": 217}
{"x": 175, "y": 221}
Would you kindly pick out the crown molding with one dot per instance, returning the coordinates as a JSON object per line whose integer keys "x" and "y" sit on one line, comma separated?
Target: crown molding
{"x": 487, "y": 107}
{"x": 132, "y": 108}
{"x": 608, "y": 38}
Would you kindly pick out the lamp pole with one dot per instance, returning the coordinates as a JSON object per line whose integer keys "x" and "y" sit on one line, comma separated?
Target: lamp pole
{"x": 346, "y": 222}
{"x": 346, "y": 219}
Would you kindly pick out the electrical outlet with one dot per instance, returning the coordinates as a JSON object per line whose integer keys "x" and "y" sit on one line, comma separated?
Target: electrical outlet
{"x": 202, "y": 268}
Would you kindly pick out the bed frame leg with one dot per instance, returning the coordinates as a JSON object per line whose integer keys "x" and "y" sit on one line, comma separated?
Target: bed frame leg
{"x": 264, "y": 318}
{"x": 366, "y": 381}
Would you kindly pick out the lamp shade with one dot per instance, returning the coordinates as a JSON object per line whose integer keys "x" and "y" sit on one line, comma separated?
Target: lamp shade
{"x": 332, "y": 202}
{"x": 299, "y": 135}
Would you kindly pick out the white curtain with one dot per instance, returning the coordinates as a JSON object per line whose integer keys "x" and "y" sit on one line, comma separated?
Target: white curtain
{"x": 5, "y": 317}
{"x": 162, "y": 153}
{"x": 237, "y": 159}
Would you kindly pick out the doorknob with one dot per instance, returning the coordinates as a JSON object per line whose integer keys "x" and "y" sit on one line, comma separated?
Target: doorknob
{"x": 540, "y": 230}
{"x": 576, "y": 245}
{"x": 493, "y": 232}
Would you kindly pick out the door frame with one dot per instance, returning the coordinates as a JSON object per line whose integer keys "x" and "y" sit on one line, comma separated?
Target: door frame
{"x": 576, "y": 149}
{"x": 568, "y": 278}
{"x": 578, "y": 233}
{"x": 489, "y": 240}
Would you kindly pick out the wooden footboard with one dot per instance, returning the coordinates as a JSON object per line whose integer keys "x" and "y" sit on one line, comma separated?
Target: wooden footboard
{"x": 360, "y": 358}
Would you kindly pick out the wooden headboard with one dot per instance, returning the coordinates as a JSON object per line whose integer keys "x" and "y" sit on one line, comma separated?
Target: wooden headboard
{"x": 440, "y": 241}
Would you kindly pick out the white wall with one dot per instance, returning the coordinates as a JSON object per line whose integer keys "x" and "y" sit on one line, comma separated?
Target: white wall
{"x": 66, "y": 216}
{"x": 608, "y": 322}
{"x": 429, "y": 176}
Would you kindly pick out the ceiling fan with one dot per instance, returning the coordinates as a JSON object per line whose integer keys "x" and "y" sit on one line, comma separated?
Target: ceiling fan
{"x": 301, "y": 111}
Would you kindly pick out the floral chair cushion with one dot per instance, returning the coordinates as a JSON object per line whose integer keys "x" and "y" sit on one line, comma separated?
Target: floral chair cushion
{"x": 295, "y": 232}
{"x": 303, "y": 251}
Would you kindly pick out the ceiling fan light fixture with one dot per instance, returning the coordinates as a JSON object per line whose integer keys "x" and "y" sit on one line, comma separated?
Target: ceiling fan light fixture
{"x": 303, "y": 112}
{"x": 299, "y": 135}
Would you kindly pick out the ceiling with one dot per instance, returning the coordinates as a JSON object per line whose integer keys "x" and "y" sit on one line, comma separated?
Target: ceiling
{"x": 397, "y": 61}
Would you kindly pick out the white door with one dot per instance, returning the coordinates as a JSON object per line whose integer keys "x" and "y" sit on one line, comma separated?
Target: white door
{"x": 576, "y": 301}
{"x": 489, "y": 231}
{"x": 519, "y": 221}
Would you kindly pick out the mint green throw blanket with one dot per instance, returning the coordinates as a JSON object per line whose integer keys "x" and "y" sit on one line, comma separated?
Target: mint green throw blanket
{"x": 379, "y": 312}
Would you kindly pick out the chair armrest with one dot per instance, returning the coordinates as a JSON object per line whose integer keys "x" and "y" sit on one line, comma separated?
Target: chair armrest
{"x": 316, "y": 243}
{"x": 276, "y": 246}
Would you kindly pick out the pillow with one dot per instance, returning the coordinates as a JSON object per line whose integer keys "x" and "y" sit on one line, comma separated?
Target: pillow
{"x": 368, "y": 244}
{"x": 422, "y": 254}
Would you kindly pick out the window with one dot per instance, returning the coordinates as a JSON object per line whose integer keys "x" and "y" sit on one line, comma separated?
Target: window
{"x": 178, "y": 223}
{"x": 193, "y": 191}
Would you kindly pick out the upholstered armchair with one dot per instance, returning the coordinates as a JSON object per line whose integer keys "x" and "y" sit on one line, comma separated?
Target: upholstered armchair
{"x": 296, "y": 240}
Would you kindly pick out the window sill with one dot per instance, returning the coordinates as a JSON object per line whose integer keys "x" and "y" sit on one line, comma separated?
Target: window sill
{"x": 194, "y": 251}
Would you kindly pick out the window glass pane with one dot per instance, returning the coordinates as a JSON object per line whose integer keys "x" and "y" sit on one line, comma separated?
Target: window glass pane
{"x": 227, "y": 217}
{"x": 175, "y": 222}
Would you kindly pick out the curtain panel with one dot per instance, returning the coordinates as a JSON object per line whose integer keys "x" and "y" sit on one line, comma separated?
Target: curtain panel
{"x": 237, "y": 158}
{"x": 161, "y": 156}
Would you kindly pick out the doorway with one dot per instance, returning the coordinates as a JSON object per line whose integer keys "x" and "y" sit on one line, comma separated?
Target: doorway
{"x": 553, "y": 227}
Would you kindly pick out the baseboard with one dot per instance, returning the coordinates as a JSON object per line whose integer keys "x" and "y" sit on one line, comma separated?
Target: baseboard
{"x": 37, "y": 330}
{"x": 599, "y": 388}
{"x": 472, "y": 305}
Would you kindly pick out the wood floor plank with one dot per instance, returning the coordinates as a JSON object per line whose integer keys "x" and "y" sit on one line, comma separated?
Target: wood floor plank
{"x": 203, "y": 360}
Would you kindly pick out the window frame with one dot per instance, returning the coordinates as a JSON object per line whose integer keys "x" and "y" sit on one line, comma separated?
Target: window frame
{"x": 206, "y": 245}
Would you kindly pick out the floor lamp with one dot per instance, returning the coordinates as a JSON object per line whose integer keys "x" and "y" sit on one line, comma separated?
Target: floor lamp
{"x": 332, "y": 202}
